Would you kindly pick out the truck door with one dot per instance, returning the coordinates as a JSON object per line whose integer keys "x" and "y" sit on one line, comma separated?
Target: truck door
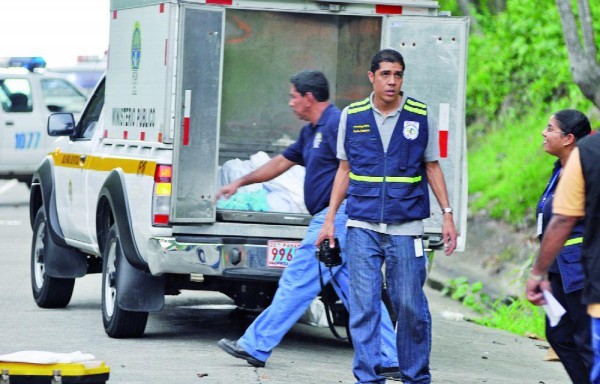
{"x": 72, "y": 170}
{"x": 195, "y": 159}
{"x": 435, "y": 54}
{"x": 22, "y": 124}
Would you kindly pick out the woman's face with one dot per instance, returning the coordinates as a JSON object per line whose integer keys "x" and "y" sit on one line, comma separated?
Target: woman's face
{"x": 553, "y": 137}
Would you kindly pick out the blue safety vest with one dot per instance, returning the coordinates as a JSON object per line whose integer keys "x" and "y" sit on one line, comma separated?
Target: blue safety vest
{"x": 387, "y": 187}
{"x": 568, "y": 263}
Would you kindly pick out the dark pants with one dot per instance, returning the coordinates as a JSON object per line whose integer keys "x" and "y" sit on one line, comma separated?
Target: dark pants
{"x": 571, "y": 338}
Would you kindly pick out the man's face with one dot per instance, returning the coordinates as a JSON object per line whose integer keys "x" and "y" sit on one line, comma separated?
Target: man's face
{"x": 300, "y": 104}
{"x": 387, "y": 82}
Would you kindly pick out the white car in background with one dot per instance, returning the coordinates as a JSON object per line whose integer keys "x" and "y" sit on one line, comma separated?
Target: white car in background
{"x": 26, "y": 100}
{"x": 86, "y": 74}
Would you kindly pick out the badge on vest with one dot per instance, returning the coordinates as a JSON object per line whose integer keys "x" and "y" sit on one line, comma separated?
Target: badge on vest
{"x": 363, "y": 128}
{"x": 411, "y": 130}
{"x": 318, "y": 140}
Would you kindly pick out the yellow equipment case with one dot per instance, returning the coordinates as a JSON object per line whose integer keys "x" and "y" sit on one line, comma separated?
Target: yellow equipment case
{"x": 89, "y": 372}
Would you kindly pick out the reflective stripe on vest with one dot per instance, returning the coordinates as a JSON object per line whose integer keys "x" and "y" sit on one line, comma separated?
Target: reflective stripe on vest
{"x": 359, "y": 106}
{"x": 410, "y": 105}
{"x": 415, "y": 107}
{"x": 388, "y": 179}
{"x": 573, "y": 241}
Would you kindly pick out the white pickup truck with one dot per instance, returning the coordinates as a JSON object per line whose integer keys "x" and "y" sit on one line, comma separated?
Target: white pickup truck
{"x": 128, "y": 191}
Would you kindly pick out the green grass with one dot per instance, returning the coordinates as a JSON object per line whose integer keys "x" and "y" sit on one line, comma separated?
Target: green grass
{"x": 518, "y": 316}
{"x": 508, "y": 168}
{"x": 518, "y": 75}
{"x": 515, "y": 315}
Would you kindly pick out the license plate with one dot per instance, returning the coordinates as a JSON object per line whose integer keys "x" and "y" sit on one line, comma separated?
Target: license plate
{"x": 280, "y": 253}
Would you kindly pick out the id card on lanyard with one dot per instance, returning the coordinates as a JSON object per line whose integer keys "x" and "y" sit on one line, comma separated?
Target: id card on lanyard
{"x": 542, "y": 203}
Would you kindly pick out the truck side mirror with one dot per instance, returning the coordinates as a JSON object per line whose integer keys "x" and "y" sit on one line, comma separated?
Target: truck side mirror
{"x": 61, "y": 124}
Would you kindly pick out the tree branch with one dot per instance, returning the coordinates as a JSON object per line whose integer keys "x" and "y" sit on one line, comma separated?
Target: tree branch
{"x": 587, "y": 29}
{"x": 584, "y": 64}
{"x": 465, "y": 8}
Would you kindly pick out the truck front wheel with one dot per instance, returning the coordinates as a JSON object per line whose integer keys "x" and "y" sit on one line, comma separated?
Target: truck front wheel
{"x": 48, "y": 292}
{"x": 118, "y": 323}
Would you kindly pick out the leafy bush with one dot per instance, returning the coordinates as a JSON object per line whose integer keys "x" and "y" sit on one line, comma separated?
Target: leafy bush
{"x": 518, "y": 316}
{"x": 471, "y": 295}
{"x": 518, "y": 75}
{"x": 515, "y": 315}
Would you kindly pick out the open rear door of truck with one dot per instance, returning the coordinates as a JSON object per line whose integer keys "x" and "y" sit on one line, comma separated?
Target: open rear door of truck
{"x": 199, "y": 91}
{"x": 435, "y": 54}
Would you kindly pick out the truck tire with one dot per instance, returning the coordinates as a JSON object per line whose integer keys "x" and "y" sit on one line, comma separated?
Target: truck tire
{"x": 118, "y": 323}
{"x": 48, "y": 292}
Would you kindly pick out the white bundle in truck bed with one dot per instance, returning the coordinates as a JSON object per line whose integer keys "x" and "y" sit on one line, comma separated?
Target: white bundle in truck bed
{"x": 282, "y": 194}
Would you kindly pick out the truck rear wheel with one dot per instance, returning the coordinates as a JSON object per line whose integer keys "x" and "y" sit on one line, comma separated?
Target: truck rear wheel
{"x": 118, "y": 323}
{"x": 48, "y": 292}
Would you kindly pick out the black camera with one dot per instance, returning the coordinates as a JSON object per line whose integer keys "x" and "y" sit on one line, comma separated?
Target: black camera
{"x": 331, "y": 257}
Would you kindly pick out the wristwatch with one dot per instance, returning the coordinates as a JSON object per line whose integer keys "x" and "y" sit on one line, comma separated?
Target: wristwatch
{"x": 447, "y": 210}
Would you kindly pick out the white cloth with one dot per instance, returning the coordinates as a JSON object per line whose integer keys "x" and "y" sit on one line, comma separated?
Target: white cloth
{"x": 43, "y": 357}
{"x": 285, "y": 193}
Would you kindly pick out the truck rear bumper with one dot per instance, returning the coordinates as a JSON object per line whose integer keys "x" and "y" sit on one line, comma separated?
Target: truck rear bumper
{"x": 168, "y": 255}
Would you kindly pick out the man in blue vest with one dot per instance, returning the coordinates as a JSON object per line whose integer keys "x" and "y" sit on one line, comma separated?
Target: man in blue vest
{"x": 299, "y": 284}
{"x": 388, "y": 151}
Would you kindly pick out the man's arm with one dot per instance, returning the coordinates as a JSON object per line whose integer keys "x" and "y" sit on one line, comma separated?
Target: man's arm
{"x": 435, "y": 178}
{"x": 338, "y": 194}
{"x": 273, "y": 168}
{"x": 558, "y": 231}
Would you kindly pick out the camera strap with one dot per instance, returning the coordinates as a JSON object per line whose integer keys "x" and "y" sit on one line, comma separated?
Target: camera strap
{"x": 326, "y": 305}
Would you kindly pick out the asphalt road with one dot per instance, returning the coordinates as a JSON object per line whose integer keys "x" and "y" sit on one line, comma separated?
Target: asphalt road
{"x": 179, "y": 345}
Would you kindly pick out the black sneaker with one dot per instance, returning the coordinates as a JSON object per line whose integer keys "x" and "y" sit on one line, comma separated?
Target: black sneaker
{"x": 390, "y": 373}
{"x": 232, "y": 347}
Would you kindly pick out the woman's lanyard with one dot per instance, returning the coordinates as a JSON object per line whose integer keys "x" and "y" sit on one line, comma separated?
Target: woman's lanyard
{"x": 542, "y": 203}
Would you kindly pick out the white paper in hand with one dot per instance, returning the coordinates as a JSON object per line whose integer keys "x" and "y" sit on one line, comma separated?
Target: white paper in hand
{"x": 553, "y": 309}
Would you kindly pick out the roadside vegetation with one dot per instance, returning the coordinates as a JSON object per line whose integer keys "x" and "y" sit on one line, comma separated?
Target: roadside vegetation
{"x": 515, "y": 315}
{"x": 518, "y": 75}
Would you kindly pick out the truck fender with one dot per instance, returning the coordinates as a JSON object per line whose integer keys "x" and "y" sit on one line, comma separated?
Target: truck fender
{"x": 114, "y": 192}
{"x": 137, "y": 290}
{"x": 60, "y": 259}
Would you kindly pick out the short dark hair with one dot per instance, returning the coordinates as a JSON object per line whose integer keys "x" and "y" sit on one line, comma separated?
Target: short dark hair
{"x": 389, "y": 56}
{"x": 314, "y": 82}
{"x": 573, "y": 122}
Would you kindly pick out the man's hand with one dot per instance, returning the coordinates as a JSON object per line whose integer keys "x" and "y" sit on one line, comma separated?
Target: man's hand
{"x": 227, "y": 191}
{"x": 327, "y": 232}
{"x": 449, "y": 234}
{"x": 534, "y": 289}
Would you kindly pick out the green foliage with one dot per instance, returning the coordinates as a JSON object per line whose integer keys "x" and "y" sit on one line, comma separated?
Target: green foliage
{"x": 520, "y": 60}
{"x": 518, "y": 76}
{"x": 516, "y": 315}
{"x": 471, "y": 295}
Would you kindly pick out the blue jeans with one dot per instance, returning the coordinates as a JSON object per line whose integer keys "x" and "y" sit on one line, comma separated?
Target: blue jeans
{"x": 405, "y": 276}
{"x": 595, "y": 376}
{"x": 298, "y": 286}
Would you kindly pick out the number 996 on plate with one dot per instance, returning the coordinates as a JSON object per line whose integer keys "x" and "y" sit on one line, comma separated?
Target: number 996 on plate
{"x": 280, "y": 253}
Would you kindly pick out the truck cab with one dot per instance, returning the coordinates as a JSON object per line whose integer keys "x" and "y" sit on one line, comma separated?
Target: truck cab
{"x": 193, "y": 87}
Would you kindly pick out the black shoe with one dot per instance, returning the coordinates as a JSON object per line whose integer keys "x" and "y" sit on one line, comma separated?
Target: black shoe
{"x": 232, "y": 347}
{"x": 392, "y": 373}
